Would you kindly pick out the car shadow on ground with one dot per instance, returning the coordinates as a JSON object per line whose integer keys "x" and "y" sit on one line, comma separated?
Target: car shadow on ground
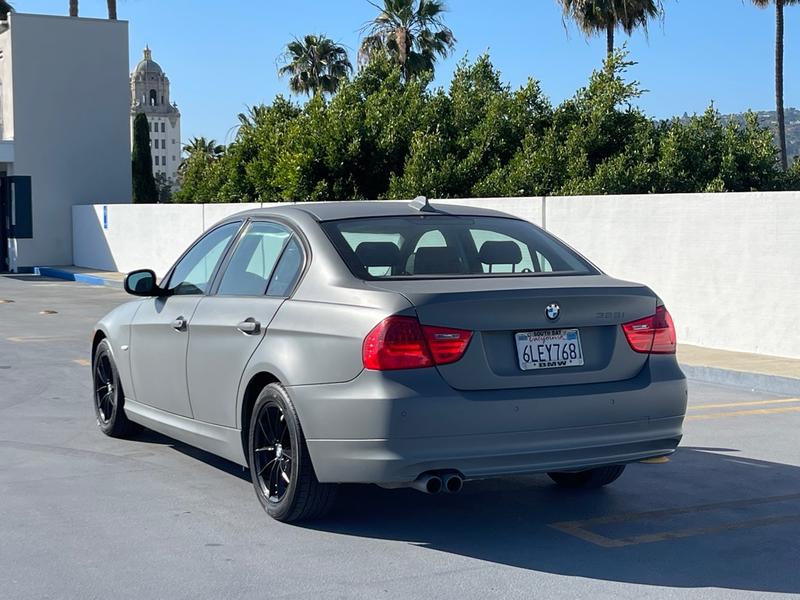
{"x": 148, "y": 436}
{"x": 705, "y": 519}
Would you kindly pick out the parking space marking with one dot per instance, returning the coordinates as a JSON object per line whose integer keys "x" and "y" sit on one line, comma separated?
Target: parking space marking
{"x": 581, "y": 529}
{"x": 737, "y": 404}
{"x": 744, "y": 413}
{"x": 34, "y": 338}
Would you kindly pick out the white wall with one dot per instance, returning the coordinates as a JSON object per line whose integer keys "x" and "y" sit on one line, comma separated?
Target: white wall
{"x": 726, "y": 265}
{"x": 71, "y": 107}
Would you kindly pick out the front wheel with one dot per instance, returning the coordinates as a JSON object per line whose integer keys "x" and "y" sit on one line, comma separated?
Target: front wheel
{"x": 108, "y": 395}
{"x": 280, "y": 466}
{"x": 591, "y": 478}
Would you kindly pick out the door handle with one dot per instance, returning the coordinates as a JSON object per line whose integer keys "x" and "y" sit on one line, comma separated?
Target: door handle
{"x": 179, "y": 324}
{"x": 249, "y": 326}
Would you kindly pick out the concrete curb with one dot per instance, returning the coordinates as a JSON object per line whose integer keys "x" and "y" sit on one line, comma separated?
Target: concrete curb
{"x": 753, "y": 381}
{"x": 70, "y": 276}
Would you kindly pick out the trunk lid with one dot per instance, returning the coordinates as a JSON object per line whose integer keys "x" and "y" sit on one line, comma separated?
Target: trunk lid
{"x": 497, "y": 308}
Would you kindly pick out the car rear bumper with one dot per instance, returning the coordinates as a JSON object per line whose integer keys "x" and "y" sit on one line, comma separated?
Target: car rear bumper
{"x": 389, "y": 428}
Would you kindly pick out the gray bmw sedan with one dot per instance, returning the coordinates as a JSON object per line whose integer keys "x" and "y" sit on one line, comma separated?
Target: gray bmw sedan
{"x": 401, "y": 344}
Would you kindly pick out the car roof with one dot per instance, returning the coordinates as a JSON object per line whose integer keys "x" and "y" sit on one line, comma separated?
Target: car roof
{"x": 331, "y": 211}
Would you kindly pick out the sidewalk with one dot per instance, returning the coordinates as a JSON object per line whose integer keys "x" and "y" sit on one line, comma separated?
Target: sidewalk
{"x": 755, "y": 371}
{"x": 90, "y": 276}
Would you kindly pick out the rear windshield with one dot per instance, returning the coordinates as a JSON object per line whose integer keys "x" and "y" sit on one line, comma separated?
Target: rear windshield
{"x": 434, "y": 246}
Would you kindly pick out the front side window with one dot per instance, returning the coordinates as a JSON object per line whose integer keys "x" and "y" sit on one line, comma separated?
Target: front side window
{"x": 433, "y": 246}
{"x": 192, "y": 274}
{"x": 251, "y": 266}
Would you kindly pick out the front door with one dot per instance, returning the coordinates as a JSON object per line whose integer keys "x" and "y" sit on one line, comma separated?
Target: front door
{"x": 161, "y": 328}
{"x": 231, "y": 322}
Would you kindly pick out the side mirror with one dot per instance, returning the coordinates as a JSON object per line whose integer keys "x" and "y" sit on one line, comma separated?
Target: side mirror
{"x": 142, "y": 283}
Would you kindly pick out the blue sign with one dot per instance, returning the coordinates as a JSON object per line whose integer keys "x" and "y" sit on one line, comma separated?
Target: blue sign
{"x": 105, "y": 217}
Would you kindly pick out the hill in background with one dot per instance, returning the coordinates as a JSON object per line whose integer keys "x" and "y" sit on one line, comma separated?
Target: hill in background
{"x": 768, "y": 118}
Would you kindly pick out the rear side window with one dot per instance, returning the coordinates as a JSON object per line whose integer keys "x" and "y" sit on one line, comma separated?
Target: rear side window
{"x": 287, "y": 271}
{"x": 433, "y": 246}
{"x": 254, "y": 259}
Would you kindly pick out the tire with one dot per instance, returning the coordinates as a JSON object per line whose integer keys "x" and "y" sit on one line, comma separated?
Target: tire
{"x": 591, "y": 478}
{"x": 284, "y": 481}
{"x": 107, "y": 395}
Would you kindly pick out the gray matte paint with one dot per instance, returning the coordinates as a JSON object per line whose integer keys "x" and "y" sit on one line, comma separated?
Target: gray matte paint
{"x": 480, "y": 415}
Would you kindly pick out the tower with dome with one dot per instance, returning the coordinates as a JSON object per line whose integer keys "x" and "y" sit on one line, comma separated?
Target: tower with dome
{"x": 150, "y": 95}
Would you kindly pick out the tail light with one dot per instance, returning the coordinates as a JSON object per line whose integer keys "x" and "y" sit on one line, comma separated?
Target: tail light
{"x": 402, "y": 343}
{"x": 653, "y": 335}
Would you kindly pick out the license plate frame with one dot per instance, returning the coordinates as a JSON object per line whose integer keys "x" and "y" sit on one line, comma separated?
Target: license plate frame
{"x": 549, "y": 347}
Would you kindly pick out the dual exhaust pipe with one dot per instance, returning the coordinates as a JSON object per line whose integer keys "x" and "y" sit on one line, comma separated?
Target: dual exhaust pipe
{"x": 434, "y": 483}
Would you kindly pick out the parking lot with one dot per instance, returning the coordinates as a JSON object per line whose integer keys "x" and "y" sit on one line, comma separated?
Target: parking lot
{"x": 86, "y": 516}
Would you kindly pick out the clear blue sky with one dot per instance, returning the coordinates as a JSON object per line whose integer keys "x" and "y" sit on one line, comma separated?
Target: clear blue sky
{"x": 221, "y": 56}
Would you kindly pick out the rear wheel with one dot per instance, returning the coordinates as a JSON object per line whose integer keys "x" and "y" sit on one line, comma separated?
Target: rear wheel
{"x": 591, "y": 478}
{"x": 109, "y": 398}
{"x": 280, "y": 466}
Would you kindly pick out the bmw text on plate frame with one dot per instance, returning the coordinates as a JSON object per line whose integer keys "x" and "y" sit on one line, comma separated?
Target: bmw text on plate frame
{"x": 447, "y": 358}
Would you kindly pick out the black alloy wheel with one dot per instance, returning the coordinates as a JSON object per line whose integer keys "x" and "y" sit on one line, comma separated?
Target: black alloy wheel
{"x": 273, "y": 452}
{"x": 108, "y": 397}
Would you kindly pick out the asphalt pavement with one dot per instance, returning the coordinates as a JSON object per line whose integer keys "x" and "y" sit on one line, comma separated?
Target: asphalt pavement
{"x": 86, "y": 516}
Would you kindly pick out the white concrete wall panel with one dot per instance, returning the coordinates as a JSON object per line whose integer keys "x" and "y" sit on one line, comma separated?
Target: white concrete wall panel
{"x": 136, "y": 236}
{"x": 726, "y": 265}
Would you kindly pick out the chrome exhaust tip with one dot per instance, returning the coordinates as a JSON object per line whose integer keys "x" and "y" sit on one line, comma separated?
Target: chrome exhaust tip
{"x": 453, "y": 483}
{"x": 429, "y": 484}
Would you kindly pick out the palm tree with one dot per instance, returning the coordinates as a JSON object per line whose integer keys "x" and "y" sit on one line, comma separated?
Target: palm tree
{"x": 73, "y": 8}
{"x": 315, "y": 65}
{"x": 203, "y": 147}
{"x": 779, "y": 6}
{"x": 411, "y": 32}
{"x": 597, "y": 16}
{"x": 112, "y": 9}
{"x": 252, "y": 117}
{"x": 209, "y": 150}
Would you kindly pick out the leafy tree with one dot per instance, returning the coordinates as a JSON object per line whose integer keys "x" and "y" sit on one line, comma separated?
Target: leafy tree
{"x": 195, "y": 171}
{"x": 144, "y": 186}
{"x": 164, "y": 188}
{"x": 411, "y": 32}
{"x": 779, "y": 21}
{"x": 5, "y": 8}
{"x": 471, "y": 132}
{"x": 598, "y": 16}
{"x": 315, "y": 65}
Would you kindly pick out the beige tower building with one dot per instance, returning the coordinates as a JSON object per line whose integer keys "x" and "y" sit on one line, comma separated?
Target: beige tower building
{"x": 150, "y": 95}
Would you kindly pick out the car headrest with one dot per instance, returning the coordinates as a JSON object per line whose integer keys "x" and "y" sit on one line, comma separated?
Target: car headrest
{"x": 437, "y": 261}
{"x": 378, "y": 254}
{"x": 500, "y": 253}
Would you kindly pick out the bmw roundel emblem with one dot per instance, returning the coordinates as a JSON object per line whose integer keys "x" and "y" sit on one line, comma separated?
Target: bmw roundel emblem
{"x": 552, "y": 311}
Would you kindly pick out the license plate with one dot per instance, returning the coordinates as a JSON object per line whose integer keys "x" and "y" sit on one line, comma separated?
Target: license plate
{"x": 549, "y": 349}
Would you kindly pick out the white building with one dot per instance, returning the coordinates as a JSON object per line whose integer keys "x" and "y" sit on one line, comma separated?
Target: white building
{"x": 65, "y": 138}
{"x": 150, "y": 95}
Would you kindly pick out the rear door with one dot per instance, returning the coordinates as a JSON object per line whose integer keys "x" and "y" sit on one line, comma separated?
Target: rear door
{"x": 229, "y": 324}
{"x": 161, "y": 327}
